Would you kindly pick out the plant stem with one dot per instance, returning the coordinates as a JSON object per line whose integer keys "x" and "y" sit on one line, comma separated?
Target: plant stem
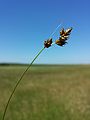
{"x": 19, "y": 82}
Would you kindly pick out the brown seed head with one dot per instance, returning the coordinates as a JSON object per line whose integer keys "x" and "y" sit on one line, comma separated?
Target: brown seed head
{"x": 64, "y": 35}
{"x": 48, "y": 43}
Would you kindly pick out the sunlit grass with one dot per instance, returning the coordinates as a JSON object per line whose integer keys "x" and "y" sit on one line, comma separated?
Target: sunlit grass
{"x": 46, "y": 92}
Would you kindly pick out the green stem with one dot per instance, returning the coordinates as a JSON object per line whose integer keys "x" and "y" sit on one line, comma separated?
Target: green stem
{"x": 19, "y": 82}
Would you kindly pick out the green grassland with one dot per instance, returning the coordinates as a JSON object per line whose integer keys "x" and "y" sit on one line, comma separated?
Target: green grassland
{"x": 57, "y": 92}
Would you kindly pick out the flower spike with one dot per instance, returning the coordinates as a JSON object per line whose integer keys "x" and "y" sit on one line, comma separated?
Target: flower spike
{"x": 48, "y": 43}
{"x": 64, "y": 35}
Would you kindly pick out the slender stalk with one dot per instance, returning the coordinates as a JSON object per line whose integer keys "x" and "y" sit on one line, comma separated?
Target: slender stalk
{"x": 19, "y": 82}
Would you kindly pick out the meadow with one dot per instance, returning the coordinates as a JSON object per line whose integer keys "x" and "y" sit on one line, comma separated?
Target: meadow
{"x": 47, "y": 92}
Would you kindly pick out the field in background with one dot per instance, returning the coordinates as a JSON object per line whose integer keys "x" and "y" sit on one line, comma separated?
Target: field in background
{"x": 46, "y": 92}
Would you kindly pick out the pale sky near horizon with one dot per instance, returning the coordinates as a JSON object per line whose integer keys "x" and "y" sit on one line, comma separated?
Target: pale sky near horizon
{"x": 25, "y": 24}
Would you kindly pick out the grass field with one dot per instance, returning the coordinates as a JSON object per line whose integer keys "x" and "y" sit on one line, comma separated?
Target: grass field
{"x": 46, "y": 92}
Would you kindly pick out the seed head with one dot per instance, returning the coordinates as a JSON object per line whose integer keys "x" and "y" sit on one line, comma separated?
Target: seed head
{"x": 64, "y": 35}
{"x": 48, "y": 43}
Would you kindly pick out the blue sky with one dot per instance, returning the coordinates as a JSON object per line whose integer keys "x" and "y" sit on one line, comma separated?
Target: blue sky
{"x": 25, "y": 24}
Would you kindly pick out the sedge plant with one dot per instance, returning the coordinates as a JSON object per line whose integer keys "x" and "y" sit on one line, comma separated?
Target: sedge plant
{"x": 64, "y": 35}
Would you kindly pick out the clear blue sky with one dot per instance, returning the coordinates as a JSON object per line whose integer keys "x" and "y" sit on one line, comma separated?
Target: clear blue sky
{"x": 25, "y": 24}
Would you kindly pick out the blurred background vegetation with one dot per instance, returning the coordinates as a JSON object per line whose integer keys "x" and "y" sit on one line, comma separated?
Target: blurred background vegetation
{"x": 47, "y": 92}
